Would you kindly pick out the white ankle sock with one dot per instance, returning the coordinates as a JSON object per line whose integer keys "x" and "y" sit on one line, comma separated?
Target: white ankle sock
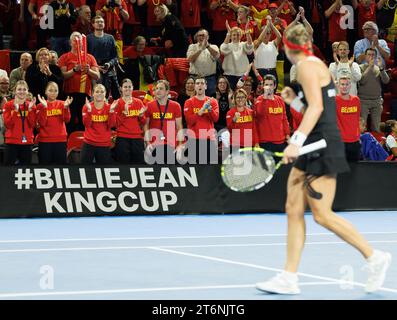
{"x": 374, "y": 256}
{"x": 290, "y": 276}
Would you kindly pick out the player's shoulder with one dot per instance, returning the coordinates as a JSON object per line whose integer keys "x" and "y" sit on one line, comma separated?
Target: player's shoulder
{"x": 174, "y": 103}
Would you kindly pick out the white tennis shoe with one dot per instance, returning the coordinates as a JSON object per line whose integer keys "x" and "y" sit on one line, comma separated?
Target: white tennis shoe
{"x": 282, "y": 283}
{"x": 377, "y": 266}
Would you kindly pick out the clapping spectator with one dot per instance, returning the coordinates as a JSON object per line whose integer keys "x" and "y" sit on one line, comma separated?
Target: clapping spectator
{"x": 19, "y": 73}
{"x": 236, "y": 61}
{"x": 370, "y": 88}
{"x": 98, "y": 118}
{"x": 129, "y": 125}
{"x": 163, "y": 127}
{"x": 19, "y": 119}
{"x": 286, "y": 10}
{"x": 345, "y": 66}
{"x": 372, "y": 41}
{"x": 202, "y": 57}
{"x": 52, "y": 114}
{"x": 266, "y": 51}
{"x": 39, "y": 74}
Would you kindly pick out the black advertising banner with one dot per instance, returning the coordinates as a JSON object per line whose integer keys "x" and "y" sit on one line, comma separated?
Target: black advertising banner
{"x": 130, "y": 190}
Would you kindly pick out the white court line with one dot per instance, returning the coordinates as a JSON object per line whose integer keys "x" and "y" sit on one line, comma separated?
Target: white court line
{"x": 178, "y": 237}
{"x": 113, "y": 291}
{"x": 256, "y": 266}
{"x": 176, "y": 246}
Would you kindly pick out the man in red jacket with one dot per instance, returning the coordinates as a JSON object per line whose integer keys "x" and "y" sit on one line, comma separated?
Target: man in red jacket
{"x": 201, "y": 112}
{"x": 163, "y": 127}
{"x": 348, "y": 115}
{"x": 271, "y": 118}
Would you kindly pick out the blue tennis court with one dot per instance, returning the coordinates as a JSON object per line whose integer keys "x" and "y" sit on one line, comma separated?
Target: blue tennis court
{"x": 183, "y": 257}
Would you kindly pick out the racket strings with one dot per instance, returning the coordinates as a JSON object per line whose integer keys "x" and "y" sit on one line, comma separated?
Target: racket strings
{"x": 248, "y": 170}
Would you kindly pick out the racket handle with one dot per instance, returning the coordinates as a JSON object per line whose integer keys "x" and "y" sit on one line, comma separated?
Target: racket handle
{"x": 320, "y": 144}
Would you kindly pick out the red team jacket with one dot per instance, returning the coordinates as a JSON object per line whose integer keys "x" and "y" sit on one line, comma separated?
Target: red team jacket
{"x": 271, "y": 120}
{"x": 130, "y": 125}
{"x": 153, "y": 113}
{"x": 13, "y": 123}
{"x": 348, "y": 116}
{"x": 98, "y": 124}
{"x": 52, "y": 122}
{"x": 243, "y": 132}
{"x": 200, "y": 124}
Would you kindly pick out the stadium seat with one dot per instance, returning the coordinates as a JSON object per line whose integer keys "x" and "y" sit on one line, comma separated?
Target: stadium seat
{"x": 173, "y": 95}
{"x": 139, "y": 94}
{"x": 75, "y": 141}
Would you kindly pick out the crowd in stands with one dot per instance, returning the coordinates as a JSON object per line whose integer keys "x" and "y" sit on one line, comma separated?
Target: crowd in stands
{"x": 214, "y": 67}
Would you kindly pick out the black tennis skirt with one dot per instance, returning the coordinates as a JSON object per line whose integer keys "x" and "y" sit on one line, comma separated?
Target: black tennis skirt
{"x": 331, "y": 160}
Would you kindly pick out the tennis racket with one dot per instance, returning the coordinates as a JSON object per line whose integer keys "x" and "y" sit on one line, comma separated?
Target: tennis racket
{"x": 250, "y": 169}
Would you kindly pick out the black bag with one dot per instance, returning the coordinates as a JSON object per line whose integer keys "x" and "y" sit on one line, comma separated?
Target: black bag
{"x": 149, "y": 74}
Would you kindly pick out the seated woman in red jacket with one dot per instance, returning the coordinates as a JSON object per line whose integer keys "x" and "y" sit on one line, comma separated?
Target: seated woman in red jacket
{"x": 19, "y": 119}
{"x": 98, "y": 118}
{"x": 241, "y": 123}
{"x": 52, "y": 114}
{"x": 129, "y": 125}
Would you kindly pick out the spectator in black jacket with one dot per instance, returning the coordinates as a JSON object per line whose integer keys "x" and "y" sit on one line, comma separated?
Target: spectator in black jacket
{"x": 141, "y": 60}
{"x": 174, "y": 37}
{"x": 40, "y": 73}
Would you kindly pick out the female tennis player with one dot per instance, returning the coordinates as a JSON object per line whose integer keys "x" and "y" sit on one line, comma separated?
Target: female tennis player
{"x": 312, "y": 179}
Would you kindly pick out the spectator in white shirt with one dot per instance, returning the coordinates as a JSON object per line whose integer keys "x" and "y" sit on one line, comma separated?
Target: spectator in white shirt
{"x": 236, "y": 61}
{"x": 202, "y": 57}
{"x": 345, "y": 67}
{"x": 266, "y": 51}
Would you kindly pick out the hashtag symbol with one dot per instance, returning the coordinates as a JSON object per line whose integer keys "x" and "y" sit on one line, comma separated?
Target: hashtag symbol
{"x": 23, "y": 178}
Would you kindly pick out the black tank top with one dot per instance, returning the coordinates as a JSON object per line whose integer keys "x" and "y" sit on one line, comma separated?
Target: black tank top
{"x": 327, "y": 124}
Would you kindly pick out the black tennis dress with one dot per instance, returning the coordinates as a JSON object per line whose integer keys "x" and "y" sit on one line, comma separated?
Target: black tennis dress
{"x": 330, "y": 160}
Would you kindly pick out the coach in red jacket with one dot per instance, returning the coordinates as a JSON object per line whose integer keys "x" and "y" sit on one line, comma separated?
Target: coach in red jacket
{"x": 271, "y": 118}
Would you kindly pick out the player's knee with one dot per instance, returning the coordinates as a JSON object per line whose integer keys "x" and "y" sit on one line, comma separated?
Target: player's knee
{"x": 294, "y": 211}
{"x": 320, "y": 218}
